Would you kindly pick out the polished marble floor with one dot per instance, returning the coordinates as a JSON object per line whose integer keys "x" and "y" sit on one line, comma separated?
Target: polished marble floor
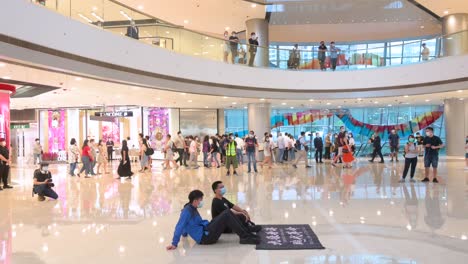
{"x": 361, "y": 215}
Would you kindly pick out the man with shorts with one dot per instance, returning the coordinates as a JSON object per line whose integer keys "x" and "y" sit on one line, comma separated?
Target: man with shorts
{"x": 394, "y": 141}
{"x": 432, "y": 144}
{"x": 231, "y": 155}
{"x": 341, "y": 136}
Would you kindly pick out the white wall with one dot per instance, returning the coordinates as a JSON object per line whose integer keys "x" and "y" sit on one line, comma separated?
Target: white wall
{"x": 61, "y": 33}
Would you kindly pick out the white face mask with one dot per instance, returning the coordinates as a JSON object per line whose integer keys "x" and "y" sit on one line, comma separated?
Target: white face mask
{"x": 45, "y": 169}
{"x": 253, "y": 36}
{"x": 428, "y": 134}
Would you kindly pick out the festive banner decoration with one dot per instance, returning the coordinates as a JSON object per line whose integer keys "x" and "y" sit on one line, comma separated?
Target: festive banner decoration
{"x": 158, "y": 126}
{"x": 298, "y": 118}
{"x": 403, "y": 130}
{"x": 56, "y": 120}
{"x": 354, "y": 59}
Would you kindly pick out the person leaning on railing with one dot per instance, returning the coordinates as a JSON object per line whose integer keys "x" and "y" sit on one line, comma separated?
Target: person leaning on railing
{"x": 253, "y": 45}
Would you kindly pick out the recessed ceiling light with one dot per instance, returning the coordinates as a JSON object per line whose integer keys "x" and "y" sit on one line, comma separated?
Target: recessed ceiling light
{"x": 189, "y": 101}
{"x": 234, "y": 103}
{"x": 225, "y": 97}
{"x": 311, "y": 100}
{"x": 227, "y": 28}
{"x": 460, "y": 91}
{"x": 427, "y": 100}
{"x": 406, "y": 96}
{"x": 167, "y": 32}
{"x": 6, "y": 77}
{"x": 78, "y": 79}
{"x": 461, "y": 99}
{"x": 339, "y": 106}
{"x": 389, "y": 105}
{"x": 186, "y": 21}
{"x": 245, "y": 107}
{"x": 262, "y": 99}
{"x": 183, "y": 93}
{"x": 141, "y": 7}
{"x": 292, "y": 107}
{"x": 446, "y": 12}
{"x": 376, "y": 102}
{"x": 328, "y": 103}
{"x": 283, "y": 103}
{"x": 359, "y": 99}
{"x": 254, "y": 5}
{"x": 422, "y": 27}
{"x": 2, "y": 64}
{"x": 94, "y": 8}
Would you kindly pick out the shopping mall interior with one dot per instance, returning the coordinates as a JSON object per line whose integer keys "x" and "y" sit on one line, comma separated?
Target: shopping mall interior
{"x": 325, "y": 86}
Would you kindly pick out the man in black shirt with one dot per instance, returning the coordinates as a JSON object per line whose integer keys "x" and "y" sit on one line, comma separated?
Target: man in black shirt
{"x": 43, "y": 183}
{"x": 318, "y": 145}
{"x": 322, "y": 55}
{"x": 4, "y": 164}
{"x": 253, "y": 44}
{"x": 234, "y": 43}
{"x": 376, "y": 142}
{"x": 432, "y": 144}
{"x": 220, "y": 204}
{"x": 110, "y": 149}
{"x": 394, "y": 141}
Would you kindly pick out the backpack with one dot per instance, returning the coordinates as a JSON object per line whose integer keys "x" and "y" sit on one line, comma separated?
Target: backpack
{"x": 149, "y": 150}
{"x": 297, "y": 144}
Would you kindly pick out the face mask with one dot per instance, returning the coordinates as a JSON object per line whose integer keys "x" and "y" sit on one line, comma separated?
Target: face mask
{"x": 200, "y": 205}
{"x": 223, "y": 191}
{"x": 253, "y": 36}
{"x": 45, "y": 169}
{"x": 428, "y": 134}
{"x": 250, "y": 136}
{"x": 411, "y": 140}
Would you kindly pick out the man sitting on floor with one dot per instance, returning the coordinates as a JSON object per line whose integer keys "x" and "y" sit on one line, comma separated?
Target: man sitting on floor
{"x": 204, "y": 232}
{"x": 221, "y": 204}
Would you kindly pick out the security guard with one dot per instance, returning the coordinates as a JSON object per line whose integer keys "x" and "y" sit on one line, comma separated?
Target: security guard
{"x": 4, "y": 164}
{"x": 231, "y": 155}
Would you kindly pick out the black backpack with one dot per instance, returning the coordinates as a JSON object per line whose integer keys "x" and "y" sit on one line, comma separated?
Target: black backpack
{"x": 149, "y": 150}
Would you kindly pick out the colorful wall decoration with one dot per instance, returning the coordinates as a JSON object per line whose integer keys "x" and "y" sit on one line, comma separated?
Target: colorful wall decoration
{"x": 354, "y": 59}
{"x": 158, "y": 126}
{"x": 5, "y": 116}
{"x": 403, "y": 130}
{"x": 298, "y": 118}
{"x": 111, "y": 130}
{"x": 56, "y": 121}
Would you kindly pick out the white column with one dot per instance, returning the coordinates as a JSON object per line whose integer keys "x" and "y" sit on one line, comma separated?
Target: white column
{"x": 259, "y": 119}
{"x": 456, "y": 126}
{"x": 454, "y": 29}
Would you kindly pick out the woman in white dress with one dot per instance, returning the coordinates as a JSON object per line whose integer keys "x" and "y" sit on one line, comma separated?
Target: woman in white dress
{"x": 226, "y": 48}
{"x": 102, "y": 157}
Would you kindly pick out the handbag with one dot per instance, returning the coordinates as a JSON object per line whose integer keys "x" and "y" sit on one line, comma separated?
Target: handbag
{"x": 149, "y": 151}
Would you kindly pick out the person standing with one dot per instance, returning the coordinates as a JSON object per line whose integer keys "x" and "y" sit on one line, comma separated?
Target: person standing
{"x": 267, "y": 152}
{"x": 250, "y": 146}
{"x": 92, "y": 145}
{"x": 294, "y": 57}
{"x": 239, "y": 148}
{"x": 376, "y": 143}
{"x": 431, "y": 157}
{"x": 231, "y": 155}
{"x": 226, "y": 47}
{"x": 328, "y": 145}
{"x": 318, "y": 145}
{"x": 411, "y": 158}
{"x": 322, "y": 55}
{"x": 425, "y": 52}
{"x": 110, "y": 149}
{"x": 281, "y": 146}
{"x": 352, "y": 143}
{"x": 340, "y": 142}
{"x": 302, "y": 151}
{"x": 193, "y": 151}
{"x": 86, "y": 159}
{"x": 253, "y": 45}
{"x": 222, "y": 146}
{"x": 292, "y": 148}
{"x": 180, "y": 146}
{"x": 143, "y": 156}
{"x": 74, "y": 156}
{"x": 394, "y": 141}
{"x": 133, "y": 31}
{"x": 466, "y": 153}
{"x": 234, "y": 43}
{"x": 5, "y": 163}
{"x": 125, "y": 166}
{"x": 206, "y": 150}
{"x": 37, "y": 152}
{"x": 333, "y": 55}
{"x": 419, "y": 140}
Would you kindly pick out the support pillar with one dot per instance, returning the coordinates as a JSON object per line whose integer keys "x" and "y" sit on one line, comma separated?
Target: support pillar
{"x": 455, "y": 32}
{"x": 456, "y": 126}
{"x": 261, "y": 28}
{"x": 221, "y": 125}
{"x": 259, "y": 119}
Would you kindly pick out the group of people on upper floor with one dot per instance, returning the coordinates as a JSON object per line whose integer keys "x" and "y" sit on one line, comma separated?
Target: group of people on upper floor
{"x": 238, "y": 54}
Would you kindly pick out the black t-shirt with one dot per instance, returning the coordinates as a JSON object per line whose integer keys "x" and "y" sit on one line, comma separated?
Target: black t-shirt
{"x": 218, "y": 206}
{"x": 393, "y": 138}
{"x": 5, "y": 153}
{"x": 234, "y": 42}
{"x": 40, "y": 176}
{"x": 433, "y": 141}
{"x": 322, "y": 48}
{"x": 250, "y": 144}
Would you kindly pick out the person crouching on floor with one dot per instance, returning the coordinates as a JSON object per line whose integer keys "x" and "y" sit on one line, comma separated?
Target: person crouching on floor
{"x": 220, "y": 204}
{"x": 43, "y": 183}
{"x": 203, "y": 231}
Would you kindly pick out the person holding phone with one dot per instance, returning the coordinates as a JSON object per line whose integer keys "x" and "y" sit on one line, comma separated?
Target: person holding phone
{"x": 253, "y": 45}
{"x": 432, "y": 144}
{"x": 43, "y": 184}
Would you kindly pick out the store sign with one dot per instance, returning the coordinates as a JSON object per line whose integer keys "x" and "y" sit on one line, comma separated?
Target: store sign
{"x": 114, "y": 114}
{"x": 19, "y": 126}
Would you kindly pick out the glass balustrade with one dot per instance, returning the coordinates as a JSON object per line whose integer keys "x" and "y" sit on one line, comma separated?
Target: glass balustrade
{"x": 115, "y": 17}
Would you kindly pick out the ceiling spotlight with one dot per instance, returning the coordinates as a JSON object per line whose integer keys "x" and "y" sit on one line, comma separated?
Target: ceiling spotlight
{"x": 227, "y": 28}
{"x": 359, "y": 99}
{"x": 245, "y": 107}
{"x": 311, "y": 100}
{"x": 446, "y": 12}
{"x": 225, "y": 97}
{"x": 292, "y": 107}
{"x": 2, "y": 65}
{"x": 389, "y": 105}
{"x": 78, "y": 79}
{"x": 406, "y": 96}
{"x": 234, "y": 103}
{"x": 186, "y": 21}
{"x": 421, "y": 27}
{"x": 254, "y": 5}
{"x": 283, "y": 103}
{"x": 206, "y": 106}
{"x": 6, "y": 77}
{"x": 262, "y": 99}
{"x": 183, "y": 93}
{"x": 167, "y": 32}
{"x": 459, "y": 91}
{"x": 140, "y": 7}
{"x": 328, "y": 103}
{"x": 94, "y": 8}
{"x": 427, "y": 100}
{"x": 189, "y": 101}
{"x": 376, "y": 102}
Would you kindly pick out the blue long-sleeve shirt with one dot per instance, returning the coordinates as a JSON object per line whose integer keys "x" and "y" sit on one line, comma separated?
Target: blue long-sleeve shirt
{"x": 191, "y": 223}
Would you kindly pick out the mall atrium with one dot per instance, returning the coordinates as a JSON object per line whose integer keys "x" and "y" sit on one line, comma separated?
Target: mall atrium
{"x": 303, "y": 131}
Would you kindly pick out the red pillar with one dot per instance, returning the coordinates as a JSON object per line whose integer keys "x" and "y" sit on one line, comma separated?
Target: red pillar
{"x": 6, "y": 90}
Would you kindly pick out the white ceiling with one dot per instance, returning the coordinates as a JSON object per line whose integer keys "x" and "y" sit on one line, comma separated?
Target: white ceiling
{"x": 440, "y": 7}
{"x": 83, "y": 92}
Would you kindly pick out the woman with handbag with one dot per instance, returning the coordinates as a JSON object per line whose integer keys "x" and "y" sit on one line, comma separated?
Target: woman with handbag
{"x": 74, "y": 156}
{"x": 125, "y": 167}
{"x": 168, "y": 150}
{"x": 144, "y": 157}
